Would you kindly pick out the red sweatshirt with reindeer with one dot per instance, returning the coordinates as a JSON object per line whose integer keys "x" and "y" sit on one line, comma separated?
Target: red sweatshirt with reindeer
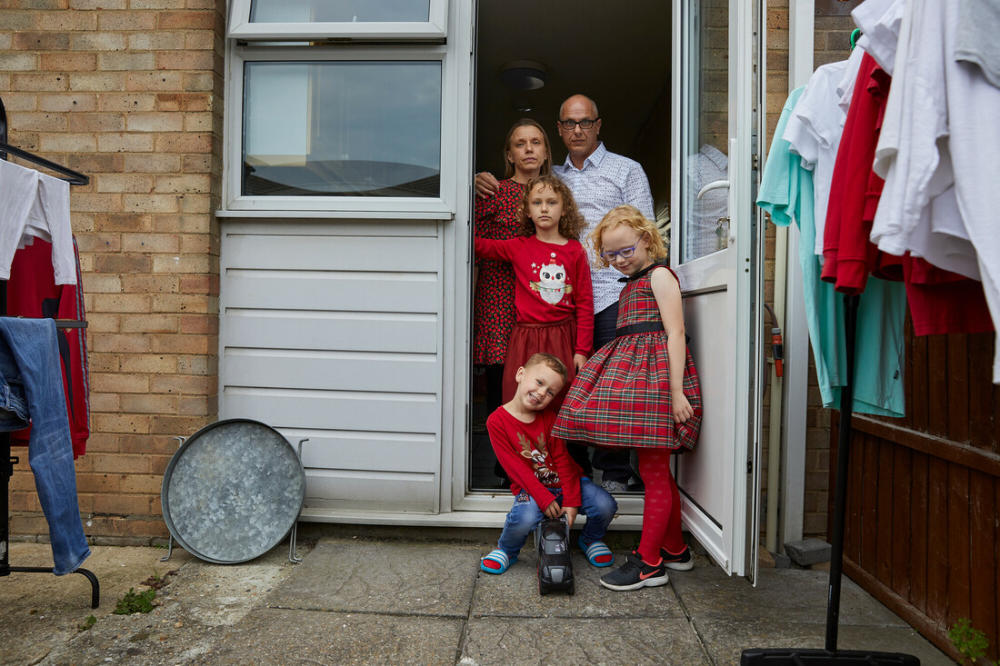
{"x": 534, "y": 460}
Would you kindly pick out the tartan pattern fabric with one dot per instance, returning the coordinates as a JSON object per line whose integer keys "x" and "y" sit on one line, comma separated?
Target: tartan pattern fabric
{"x": 621, "y": 398}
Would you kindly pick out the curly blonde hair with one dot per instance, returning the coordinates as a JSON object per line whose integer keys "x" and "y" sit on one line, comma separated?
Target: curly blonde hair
{"x": 635, "y": 220}
{"x": 570, "y": 224}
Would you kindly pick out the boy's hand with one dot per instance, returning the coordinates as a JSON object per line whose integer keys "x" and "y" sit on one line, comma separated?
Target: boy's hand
{"x": 579, "y": 360}
{"x": 486, "y": 185}
{"x": 553, "y": 510}
{"x": 570, "y": 513}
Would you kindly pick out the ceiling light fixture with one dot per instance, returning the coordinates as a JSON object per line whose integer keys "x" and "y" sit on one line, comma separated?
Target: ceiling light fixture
{"x": 523, "y": 75}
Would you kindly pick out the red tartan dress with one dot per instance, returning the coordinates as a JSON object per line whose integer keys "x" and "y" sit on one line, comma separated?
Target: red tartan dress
{"x": 493, "y": 314}
{"x": 621, "y": 398}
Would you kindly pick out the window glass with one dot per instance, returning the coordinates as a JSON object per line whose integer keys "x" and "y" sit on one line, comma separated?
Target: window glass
{"x": 333, "y": 128}
{"x": 339, "y": 11}
{"x": 705, "y": 161}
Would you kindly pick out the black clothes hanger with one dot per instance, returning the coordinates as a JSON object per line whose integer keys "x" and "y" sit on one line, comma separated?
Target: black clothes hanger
{"x": 70, "y": 176}
{"x": 7, "y": 461}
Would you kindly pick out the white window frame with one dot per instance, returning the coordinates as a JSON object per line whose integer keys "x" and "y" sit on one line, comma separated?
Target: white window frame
{"x": 435, "y": 29}
{"x": 234, "y": 201}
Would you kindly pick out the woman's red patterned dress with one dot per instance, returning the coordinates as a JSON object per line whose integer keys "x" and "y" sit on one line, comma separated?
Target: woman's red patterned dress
{"x": 493, "y": 306}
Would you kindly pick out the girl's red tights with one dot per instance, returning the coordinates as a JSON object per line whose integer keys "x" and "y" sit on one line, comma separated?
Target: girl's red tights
{"x": 661, "y": 513}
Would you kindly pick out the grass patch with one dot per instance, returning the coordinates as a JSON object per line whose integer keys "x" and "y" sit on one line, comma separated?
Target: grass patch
{"x": 135, "y": 602}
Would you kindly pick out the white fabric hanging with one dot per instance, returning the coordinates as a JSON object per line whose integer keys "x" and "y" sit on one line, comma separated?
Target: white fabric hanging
{"x": 918, "y": 211}
{"x": 815, "y": 128}
{"x": 35, "y": 205}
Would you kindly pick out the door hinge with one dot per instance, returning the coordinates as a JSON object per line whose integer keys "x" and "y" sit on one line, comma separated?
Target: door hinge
{"x": 749, "y": 465}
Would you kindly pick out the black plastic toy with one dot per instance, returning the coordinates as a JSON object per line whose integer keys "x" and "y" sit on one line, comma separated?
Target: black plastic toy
{"x": 555, "y": 570}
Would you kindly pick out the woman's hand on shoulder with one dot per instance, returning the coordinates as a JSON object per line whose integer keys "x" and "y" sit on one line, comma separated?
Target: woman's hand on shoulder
{"x": 486, "y": 185}
{"x": 579, "y": 360}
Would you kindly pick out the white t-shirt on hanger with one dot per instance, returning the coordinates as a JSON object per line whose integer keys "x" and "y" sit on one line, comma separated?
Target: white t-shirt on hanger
{"x": 814, "y": 130}
{"x": 879, "y": 21}
{"x": 973, "y": 106}
{"x": 918, "y": 211}
{"x": 34, "y": 204}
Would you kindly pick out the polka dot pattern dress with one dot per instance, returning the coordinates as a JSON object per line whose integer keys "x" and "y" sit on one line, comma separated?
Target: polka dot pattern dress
{"x": 493, "y": 305}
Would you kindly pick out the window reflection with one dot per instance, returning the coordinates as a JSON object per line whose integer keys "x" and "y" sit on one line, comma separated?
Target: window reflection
{"x": 342, "y": 129}
{"x": 706, "y": 218}
{"x": 337, "y": 11}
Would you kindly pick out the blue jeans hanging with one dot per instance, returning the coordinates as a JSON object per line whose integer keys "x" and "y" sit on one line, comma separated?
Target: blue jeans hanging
{"x": 30, "y": 376}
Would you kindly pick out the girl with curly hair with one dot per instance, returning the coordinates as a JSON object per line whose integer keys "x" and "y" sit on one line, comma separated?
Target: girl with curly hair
{"x": 553, "y": 300}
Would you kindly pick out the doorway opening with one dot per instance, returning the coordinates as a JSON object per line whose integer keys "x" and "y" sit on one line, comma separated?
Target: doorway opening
{"x": 617, "y": 54}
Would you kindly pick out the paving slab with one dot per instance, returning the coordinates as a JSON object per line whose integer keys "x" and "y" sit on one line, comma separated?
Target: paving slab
{"x": 198, "y": 603}
{"x": 726, "y": 639}
{"x": 794, "y": 595}
{"x": 354, "y": 575}
{"x": 497, "y": 640}
{"x": 42, "y": 611}
{"x": 278, "y": 636}
{"x": 515, "y": 592}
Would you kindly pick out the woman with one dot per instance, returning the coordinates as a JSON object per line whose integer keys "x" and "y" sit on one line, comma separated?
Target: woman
{"x": 526, "y": 155}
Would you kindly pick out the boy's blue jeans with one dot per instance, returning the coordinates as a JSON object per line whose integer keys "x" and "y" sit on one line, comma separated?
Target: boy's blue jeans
{"x": 31, "y": 385}
{"x": 597, "y": 504}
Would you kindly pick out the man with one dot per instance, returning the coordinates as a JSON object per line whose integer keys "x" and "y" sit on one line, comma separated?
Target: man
{"x": 599, "y": 180}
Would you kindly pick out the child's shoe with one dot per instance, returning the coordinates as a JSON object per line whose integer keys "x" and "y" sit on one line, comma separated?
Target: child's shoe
{"x": 598, "y": 553}
{"x": 682, "y": 562}
{"x": 496, "y": 562}
{"x": 635, "y": 573}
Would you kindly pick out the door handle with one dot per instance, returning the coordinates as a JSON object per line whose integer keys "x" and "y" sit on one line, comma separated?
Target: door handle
{"x": 714, "y": 185}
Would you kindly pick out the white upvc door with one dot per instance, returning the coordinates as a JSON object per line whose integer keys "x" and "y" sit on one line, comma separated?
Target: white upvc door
{"x": 714, "y": 247}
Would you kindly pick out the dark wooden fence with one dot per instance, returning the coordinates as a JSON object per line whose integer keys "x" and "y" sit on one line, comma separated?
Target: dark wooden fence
{"x": 923, "y": 514}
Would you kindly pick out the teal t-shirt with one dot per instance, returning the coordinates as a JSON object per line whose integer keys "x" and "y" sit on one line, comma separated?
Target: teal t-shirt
{"x": 786, "y": 193}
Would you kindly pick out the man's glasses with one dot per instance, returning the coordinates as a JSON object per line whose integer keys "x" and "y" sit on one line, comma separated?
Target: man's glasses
{"x": 624, "y": 253}
{"x": 570, "y": 125}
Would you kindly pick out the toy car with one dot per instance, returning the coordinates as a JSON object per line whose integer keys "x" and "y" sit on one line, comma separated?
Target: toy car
{"x": 555, "y": 570}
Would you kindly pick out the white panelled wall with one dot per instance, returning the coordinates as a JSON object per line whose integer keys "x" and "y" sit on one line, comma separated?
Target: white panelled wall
{"x": 331, "y": 330}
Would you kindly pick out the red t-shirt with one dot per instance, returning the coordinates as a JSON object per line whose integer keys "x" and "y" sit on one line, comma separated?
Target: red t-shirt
{"x": 534, "y": 460}
{"x": 32, "y": 292}
{"x": 848, "y": 255}
{"x": 551, "y": 282}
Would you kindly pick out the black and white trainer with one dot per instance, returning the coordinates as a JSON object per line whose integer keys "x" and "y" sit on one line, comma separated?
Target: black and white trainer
{"x": 635, "y": 574}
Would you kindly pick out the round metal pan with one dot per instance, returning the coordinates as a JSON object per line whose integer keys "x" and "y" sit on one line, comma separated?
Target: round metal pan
{"x": 232, "y": 491}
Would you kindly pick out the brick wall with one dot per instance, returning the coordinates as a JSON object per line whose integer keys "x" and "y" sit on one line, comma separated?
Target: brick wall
{"x": 129, "y": 92}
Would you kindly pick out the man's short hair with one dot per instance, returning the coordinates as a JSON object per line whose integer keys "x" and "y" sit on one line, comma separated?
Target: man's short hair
{"x": 551, "y": 362}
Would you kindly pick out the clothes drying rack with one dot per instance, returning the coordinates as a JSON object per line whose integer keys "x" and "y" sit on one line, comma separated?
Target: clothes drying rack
{"x": 7, "y": 461}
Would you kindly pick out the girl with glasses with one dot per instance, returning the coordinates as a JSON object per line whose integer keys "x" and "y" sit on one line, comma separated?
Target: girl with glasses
{"x": 641, "y": 391}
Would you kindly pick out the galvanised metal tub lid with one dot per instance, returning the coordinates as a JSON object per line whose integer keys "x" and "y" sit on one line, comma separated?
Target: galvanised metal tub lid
{"x": 232, "y": 491}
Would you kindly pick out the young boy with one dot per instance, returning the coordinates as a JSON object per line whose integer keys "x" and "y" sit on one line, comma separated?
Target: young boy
{"x": 545, "y": 480}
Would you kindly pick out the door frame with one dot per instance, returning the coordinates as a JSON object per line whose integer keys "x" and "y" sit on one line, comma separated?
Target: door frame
{"x": 731, "y": 544}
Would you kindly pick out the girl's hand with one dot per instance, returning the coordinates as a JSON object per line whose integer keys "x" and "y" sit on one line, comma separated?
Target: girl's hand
{"x": 579, "y": 360}
{"x": 570, "y": 513}
{"x": 681, "y": 407}
{"x": 553, "y": 510}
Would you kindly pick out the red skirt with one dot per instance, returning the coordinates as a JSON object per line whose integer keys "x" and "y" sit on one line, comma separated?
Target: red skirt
{"x": 527, "y": 338}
